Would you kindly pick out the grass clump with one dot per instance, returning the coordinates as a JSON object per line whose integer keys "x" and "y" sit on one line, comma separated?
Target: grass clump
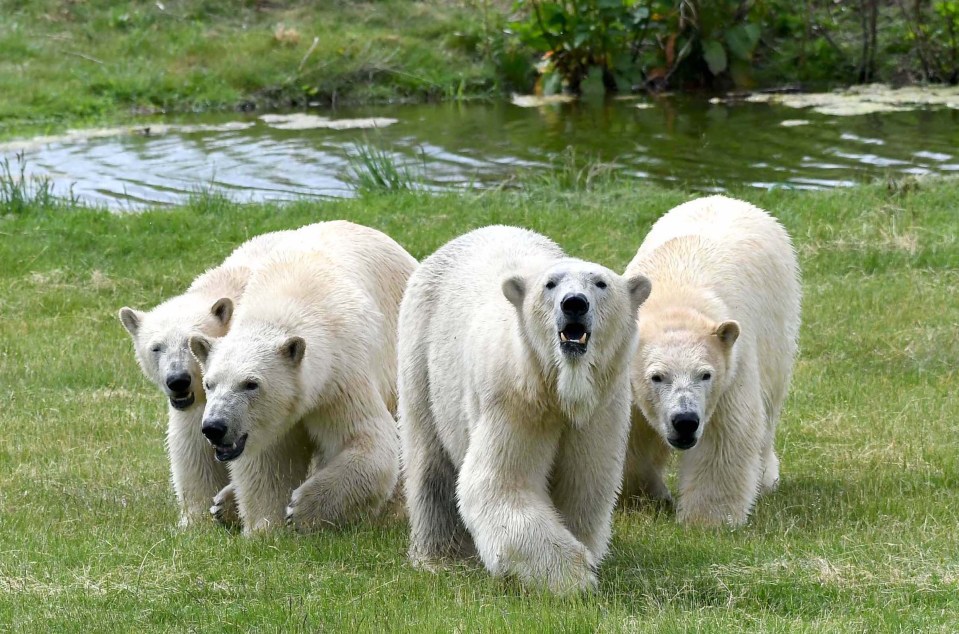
{"x": 374, "y": 169}
{"x": 20, "y": 191}
{"x": 861, "y": 535}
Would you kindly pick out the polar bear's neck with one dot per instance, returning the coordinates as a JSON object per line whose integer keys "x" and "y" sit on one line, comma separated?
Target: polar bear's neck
{"x": 576, "y": 390}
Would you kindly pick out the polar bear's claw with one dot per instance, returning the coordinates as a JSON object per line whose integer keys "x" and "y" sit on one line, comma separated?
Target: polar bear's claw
{"x": 225, "y": 510}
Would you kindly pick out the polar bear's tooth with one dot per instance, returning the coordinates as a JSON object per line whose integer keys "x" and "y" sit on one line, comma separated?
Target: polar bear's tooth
{"x": 582, "y": 339}
{"x": 562, "y": 336}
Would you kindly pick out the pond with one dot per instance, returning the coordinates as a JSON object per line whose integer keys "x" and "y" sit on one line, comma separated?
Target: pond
{"x": 672, "y": 140}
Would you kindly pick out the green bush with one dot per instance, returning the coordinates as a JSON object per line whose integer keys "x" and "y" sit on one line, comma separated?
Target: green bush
{"x": 642, "y": 41}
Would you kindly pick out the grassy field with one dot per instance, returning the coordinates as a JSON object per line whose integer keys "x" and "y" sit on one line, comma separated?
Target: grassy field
{"x": 861, "y": 536}
{"x": 64, "y": 62}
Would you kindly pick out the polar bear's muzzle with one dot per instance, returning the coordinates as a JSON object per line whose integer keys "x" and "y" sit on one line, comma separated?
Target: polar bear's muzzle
{"x": 182, "y": 402}
{"x": 216, "y": 432}
{"x": 573, "y": 338}
{"x": 684, "y": 426}
{"x": 573, "y": 327}
{"x": 226, "y": 453}
{"x": 178, "y": 389}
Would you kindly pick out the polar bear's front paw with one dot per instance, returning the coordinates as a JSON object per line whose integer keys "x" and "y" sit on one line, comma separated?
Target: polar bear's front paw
{"x": 573, "y": 577}
{"x": 709, "y": 515}
{"x": 572, "y": 572}
{"x": 306, "y": 512}
{"x": 302, "y": 519}
{"x": 225, "y": 509}
{"x": 770, "y": 479}
{"x": 189, "y": 519}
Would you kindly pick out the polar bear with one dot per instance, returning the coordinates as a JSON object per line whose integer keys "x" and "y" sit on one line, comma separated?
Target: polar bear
{"x": 718, "y": 337}
{"x": 514, "y": 405}
{"x": 307, "y": 372}
{"x": 161, "y": 343}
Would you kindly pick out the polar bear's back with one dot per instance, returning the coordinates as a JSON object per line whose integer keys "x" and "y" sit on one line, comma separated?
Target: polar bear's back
{"x": 471, "y": 268}
{"x": 718, "y": 218}
{"x": 234, "y": 271}
{"x": 256, "y": 249}
{"x": 328, "y": 263}
{"x": 381, "y": 268}
{"x": 735, "y": 249}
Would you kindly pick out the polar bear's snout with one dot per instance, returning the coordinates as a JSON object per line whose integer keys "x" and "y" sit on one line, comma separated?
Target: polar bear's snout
{"x": 214, "y": 430}
{"x": 574, "y": 305}
{"x": 179, "y": 390}
{"x": 217, "y": 431}
{"x": 573, "y": 324}
{"x": 684, "y": 425}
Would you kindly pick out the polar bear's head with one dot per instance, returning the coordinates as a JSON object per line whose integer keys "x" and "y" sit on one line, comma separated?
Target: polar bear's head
{"x": 252, "y": 379}
{"x": 161, "y": 340}
{"x": 578, "y": 320}
{"x": 682, "y": 366}
{"x": 573, "y": 307}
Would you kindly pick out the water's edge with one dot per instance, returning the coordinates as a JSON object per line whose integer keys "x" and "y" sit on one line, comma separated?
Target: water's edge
{"x": 704, "y": 146}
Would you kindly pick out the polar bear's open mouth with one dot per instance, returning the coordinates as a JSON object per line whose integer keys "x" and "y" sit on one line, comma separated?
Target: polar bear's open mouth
{"x": 225, "y": 453}
{"x": 682, "y": 442}
{"x": 182, "y": 402}
{"x": 573, "y": 339}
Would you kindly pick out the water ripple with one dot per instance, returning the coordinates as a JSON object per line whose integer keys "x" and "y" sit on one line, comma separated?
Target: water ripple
{"x": 705, "y": 147}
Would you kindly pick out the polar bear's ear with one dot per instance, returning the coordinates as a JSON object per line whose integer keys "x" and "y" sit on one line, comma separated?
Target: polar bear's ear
{"x": 223, "y": 310}
{"x": 639, "y": 288}
{"x": 200, "y": 347}
{"x": 514, "y": 288}
{"x": 131, "y": 319}
{"x": 293, "y": 349}
{"x": 728, "y": 333}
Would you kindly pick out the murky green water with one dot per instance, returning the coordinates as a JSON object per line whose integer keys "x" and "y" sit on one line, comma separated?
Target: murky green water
{"x": 689, "y": 141}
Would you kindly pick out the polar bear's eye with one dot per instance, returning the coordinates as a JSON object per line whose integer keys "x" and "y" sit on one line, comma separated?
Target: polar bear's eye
{"x": 250, "y": 385}
{"x": 601, "y": 284}
{"x": 207, "y": 386}
{"x": 656, "y": 378}
{"x": 706, "y": 376}
{"x": 156, "y": 348}
{"x": 551, "y": 285}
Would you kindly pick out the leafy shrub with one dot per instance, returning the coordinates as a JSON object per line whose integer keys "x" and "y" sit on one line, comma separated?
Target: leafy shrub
{"x": 641, "y": 41}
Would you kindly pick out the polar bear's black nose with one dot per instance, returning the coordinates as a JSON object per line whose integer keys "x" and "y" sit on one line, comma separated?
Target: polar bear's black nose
{"x": 179, "y": 382}
{"x": 686, "y": 423}
{"x": 214, "y": 430}
{"x": 574, "y": 305}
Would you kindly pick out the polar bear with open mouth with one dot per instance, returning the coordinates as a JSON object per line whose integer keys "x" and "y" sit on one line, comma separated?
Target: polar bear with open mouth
{"x": 514, "y": 405}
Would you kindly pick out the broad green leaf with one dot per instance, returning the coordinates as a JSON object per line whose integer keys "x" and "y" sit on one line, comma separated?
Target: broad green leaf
{"x": 582, "y": 35}
{"x": 553, "y": 15}
{"x": 742, "y": 40}
{"x": 715, "y": 56}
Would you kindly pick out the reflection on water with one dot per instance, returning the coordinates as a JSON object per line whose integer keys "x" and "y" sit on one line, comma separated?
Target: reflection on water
{"x": 703, "y": 146}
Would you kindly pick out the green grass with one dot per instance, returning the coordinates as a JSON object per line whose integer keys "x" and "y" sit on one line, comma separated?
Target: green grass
{"x": 64, "y": 62}
{"x": 861, "y": 536}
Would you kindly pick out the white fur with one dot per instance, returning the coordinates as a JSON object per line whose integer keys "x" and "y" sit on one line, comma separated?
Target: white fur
{"x": 725, "y": 303}
{"x": 507, "y": 443}
{"x": 316, "y": 331}
{"x": 161, "y": 343}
